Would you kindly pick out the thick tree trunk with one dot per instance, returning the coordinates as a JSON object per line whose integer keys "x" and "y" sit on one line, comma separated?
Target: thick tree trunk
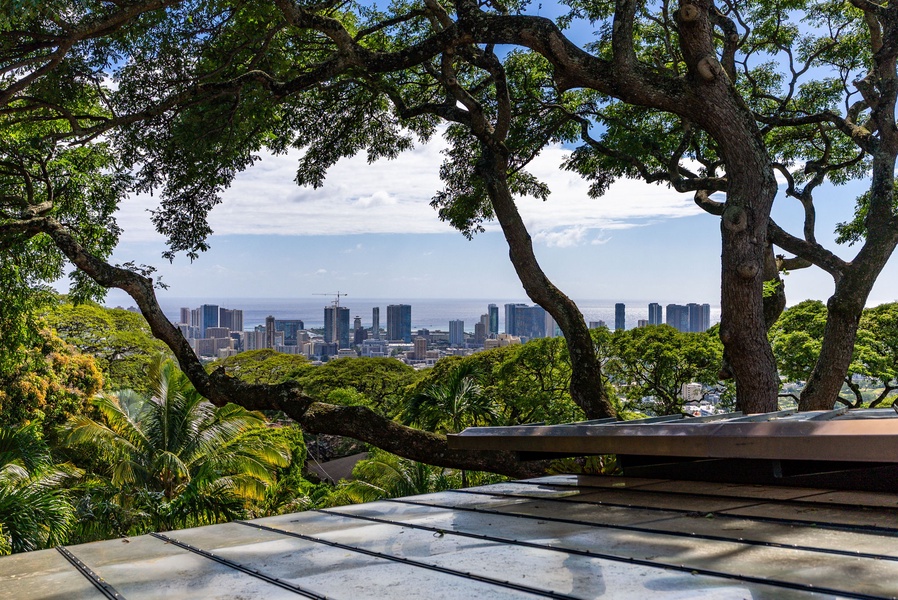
{"x": 844, "y": 309}
{"x": 846, "y": 305}
{"x": 587, "y": 387}
{"x": 743, "y": 327}
{"x": 751, "y": 187}
{"x": 825, "y": 382}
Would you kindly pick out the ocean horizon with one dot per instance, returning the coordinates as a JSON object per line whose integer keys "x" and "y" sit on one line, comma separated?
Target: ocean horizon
{"x": 427, "y": 313}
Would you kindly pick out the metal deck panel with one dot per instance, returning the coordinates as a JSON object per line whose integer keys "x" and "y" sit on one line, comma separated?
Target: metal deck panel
{"x": 620, "y": 497}
{"x": 575, "y": 575}
{"x": 145, "y": 568}
{"x": 591, "y": 481}
{"x": 811, "y": 508}
{"x": 595, "y": 577}
{"x": 44, "y": 575}
{"x": 803, "y": 567}
{"x": 740, "y": 490}
{"x": 544, "y": 537}
{"x": 696, "y": 525}
{"x": 823, "y": 515}
{"x": 332, "y": 572}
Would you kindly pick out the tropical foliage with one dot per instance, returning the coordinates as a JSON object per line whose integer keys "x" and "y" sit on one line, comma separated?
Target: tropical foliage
{"x": 79, "y": 462}
{"x": 35, "y": 506}
{"x": 655, "y": 362}
{"x": 174, "y": 459}
{"x": 871, "y": 378}
{"x": 119, "y": 340}
{"x": 50, "y": 382}
{"x": 453, "y": 404}
{"x": 385, "y": 475}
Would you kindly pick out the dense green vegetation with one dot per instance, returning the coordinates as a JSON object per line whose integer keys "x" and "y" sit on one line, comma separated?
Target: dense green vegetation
{"x": 103, "y": 436}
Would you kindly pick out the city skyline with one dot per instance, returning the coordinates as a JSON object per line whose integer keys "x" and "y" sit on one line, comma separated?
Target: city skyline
{"x": 518, "y": 318}
{"x": 211, "y": 330}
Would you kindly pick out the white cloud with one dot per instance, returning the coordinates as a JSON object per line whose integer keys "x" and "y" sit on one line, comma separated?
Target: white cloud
{"x": 378, "y": 198}
{"x": 564, "y": 238}
{"x": 393, "y": 197}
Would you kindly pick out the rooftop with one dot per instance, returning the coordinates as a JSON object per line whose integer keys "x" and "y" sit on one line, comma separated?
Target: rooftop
{"x": 563, "y": 536}
{"x": 842, "y": 448}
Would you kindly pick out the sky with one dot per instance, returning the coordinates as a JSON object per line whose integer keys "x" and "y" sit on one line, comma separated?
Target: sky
{"x": 370, "y": 232}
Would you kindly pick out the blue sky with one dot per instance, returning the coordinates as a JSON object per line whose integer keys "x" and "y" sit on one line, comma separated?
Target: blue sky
{"x": 370, "y": 232}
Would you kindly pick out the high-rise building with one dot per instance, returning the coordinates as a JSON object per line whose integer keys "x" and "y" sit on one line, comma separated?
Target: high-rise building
{"x": 457, "y": 333}
{"x": 530, "y": 322}
{"x": 375, "y": 322}
{"x": 231, "y": 318}
{"x": 420, "y": 348}
{"x": 525, "y": 321}
{"x": 678, "y": 317}
{"x": 238, "y": 339}
{"x": 480, "y": 333}
{"x": 185, "y": 316}
{"x": 336, "y": 325}
{"x": 270, "y": 331}
{"x": 695, "y": 317}
{"x": 510, "y": 317}
{"x": 655, "y": 314}
{"x": 642, "y": 322}
{"x": 255, "y": 339}
{"x": 218, "y": 333}
{"x": 691, "y": 392}
{"x": 550, "y": 325}
{"x": 208, "y": 314}
{"x": 359, "y": 333}
{"x": 692, "y": 317}
{"x": 399, "y": 322}
{"x": 706, "y": 317}
{"x": 290, "y": 328}
{"x": 620, "y": 316}
{"x": 597, "y": 324}
{"x": 493, "y": 312}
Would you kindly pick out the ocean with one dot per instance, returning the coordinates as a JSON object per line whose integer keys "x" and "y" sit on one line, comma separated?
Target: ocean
{"x": 427, "y": 313}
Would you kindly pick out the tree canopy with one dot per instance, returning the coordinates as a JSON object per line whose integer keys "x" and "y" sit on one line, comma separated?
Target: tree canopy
{"x": 119, "y": 340}
{"x": 657, "y": 361}
{"x": 797, "y": 335}
{"x": 99, "y": 99}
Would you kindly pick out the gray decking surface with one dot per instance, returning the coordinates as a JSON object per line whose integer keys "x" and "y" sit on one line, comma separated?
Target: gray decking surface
{"x": 557, "y": 537}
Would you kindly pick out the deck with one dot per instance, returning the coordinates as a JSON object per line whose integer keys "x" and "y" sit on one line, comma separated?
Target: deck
{"x": 562, "y": 536}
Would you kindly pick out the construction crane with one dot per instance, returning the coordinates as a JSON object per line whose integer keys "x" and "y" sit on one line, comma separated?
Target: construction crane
{"x": 336, "y": 303}
{"x": 337, "y": 295}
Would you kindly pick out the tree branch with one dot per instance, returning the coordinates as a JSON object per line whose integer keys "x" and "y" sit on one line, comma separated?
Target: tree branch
{"x": 316, "y": 417}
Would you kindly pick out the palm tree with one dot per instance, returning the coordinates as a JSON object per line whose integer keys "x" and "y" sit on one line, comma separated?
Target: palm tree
{"x": 35, "y": 511}
{"x": 451, "y": 405}
{"x": 176, "y": 457}
{"x": 385, "y": 475}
